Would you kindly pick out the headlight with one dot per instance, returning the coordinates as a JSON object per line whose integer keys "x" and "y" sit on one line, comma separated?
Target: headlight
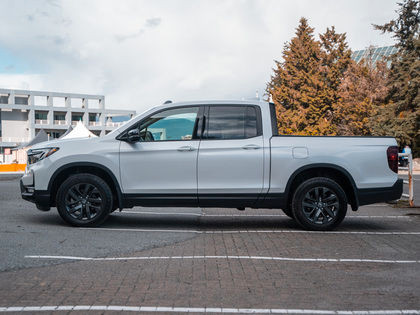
{"x": 36, "y": 155}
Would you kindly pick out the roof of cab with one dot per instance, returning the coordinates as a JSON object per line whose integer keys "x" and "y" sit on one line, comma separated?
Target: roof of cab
{"x": 219, "y": 102}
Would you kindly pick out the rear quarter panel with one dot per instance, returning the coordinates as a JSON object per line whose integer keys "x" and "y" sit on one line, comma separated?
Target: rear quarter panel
{"x": 364, "y": 158}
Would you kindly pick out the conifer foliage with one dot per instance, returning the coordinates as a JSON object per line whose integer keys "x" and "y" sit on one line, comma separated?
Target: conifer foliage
{"x": 297, "y": 84}
{"x": 319, "y": 90}
{"x": 400, "y": 116}
{"x": 305, "y": 84}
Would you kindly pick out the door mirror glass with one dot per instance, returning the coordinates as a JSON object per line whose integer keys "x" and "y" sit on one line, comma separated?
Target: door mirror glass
{"x": 133, "y": 135}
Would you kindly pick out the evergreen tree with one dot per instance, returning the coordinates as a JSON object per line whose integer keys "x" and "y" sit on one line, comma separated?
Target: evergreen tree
{"x": 336, "y": 57}
{"x": 362, "y": 89}
{"x": 401, "y": 116}
{"x": 296, "y": 86}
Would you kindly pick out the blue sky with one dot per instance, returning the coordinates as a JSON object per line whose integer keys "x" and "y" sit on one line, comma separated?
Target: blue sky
{"x": 10, "y": 63}
{"x": 140, "y": 53}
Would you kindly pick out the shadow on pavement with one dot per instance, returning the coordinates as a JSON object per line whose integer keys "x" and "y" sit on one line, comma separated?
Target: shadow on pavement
{"x": 158, "y": 222}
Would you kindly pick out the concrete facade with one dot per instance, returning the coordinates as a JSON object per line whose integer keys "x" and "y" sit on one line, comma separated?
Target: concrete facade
{"x": 24, "y": 112}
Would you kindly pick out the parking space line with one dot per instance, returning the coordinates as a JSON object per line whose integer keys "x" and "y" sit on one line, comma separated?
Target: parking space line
{"x": 249, "y": 231}
{"x": 258, "y": 215}
{"x": 174, "y": 309}
{"x": 198, "y": 257}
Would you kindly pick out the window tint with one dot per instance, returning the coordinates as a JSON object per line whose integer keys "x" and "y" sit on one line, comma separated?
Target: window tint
{"x": 172, "y": 124}
{"x": 232, "y": 122}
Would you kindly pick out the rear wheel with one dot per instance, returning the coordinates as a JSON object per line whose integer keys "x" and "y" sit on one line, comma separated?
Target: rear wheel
{"x": 319, "y": 204}
{"x": 84, "y": 200}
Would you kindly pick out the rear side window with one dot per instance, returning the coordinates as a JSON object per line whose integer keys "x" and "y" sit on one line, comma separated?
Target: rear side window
{"x": 232, "y": 122}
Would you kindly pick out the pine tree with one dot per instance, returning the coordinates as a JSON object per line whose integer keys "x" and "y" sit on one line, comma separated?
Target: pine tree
{"x": 336, "y": 57}
{"x": 296, "y": 86}
{"x": 362, "y": 89}
{"x": 401, "y": 116}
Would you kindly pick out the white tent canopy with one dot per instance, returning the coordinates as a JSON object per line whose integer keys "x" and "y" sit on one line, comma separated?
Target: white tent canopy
{"x": 79, "y": 131}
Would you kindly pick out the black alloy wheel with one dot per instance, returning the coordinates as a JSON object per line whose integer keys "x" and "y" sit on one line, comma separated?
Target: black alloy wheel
{"x": 84, "y": 200}
{"x": 319, "y": 204}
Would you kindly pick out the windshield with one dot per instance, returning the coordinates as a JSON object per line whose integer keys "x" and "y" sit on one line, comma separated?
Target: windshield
{"x": 128, "y": 122}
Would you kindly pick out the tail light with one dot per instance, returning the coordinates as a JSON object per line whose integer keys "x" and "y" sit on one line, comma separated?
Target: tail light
{"x": 392, "y": 154}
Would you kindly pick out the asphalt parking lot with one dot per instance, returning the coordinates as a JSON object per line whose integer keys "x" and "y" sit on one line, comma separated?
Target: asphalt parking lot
{"x": 170, "y": 260}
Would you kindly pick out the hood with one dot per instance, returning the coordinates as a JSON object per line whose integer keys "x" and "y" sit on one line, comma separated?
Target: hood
{"x": 63, "y": 142}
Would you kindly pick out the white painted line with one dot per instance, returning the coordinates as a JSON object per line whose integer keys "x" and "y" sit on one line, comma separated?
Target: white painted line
{"x": 172, "y": 309}
{"x": 247, "y": 231}
{"x": 257, "y": 215}
{"x": 338, "y": 260}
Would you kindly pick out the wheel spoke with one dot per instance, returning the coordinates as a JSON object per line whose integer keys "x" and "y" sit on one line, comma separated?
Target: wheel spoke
{"x": 98, "y": 200}
{"x": 316, "y": 216}
{"x": 76, "y": 208}
{"x": 329, "y": 211}
{"x": 330, "y": 198}
{"x": 88, "y": 214}
{"x": 309, "y": 205}
{"x": 73, "y": 195}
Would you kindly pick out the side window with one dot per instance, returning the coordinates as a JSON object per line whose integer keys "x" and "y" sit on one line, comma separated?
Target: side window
{"x": 232, "y": 122}
{"x": 172, "y": 124}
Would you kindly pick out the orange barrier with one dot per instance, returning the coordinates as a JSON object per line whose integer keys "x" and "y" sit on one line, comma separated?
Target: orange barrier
{"x": 12, "y": 167}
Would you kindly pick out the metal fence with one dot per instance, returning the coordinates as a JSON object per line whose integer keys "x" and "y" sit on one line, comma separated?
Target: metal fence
{"x": 410, "y": 182}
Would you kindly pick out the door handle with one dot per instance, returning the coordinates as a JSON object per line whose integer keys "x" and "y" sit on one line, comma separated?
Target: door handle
{"x": 186, "y": 148}
{"x": 251, "y": 147}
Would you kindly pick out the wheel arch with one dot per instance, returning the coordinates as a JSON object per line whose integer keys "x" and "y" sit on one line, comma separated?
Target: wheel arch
{"x": 332, "y": 171}
{"x": 63, "y": 172}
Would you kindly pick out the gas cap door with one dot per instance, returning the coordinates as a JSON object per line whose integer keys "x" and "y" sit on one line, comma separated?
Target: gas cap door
{"x": 300, "y": 152}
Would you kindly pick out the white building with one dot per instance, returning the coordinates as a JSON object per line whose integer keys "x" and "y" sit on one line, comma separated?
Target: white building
{"x": 23, "y": 113}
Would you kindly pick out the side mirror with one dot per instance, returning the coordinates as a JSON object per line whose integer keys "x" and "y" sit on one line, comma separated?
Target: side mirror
{"x": 133, "y": 135}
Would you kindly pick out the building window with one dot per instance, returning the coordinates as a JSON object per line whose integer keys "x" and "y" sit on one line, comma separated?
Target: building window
{"x": 41, "y": 115}
{"x": 77, "y": 117}
{"x": 4, "y": 99}
{"x": 54, "y": 134}
{"x": 59, "y": 117}
{"x": 21, "y": 100}
{"x": 93, "y": 117}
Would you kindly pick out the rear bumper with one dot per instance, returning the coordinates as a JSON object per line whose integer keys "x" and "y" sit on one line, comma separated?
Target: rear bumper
{"x": 41, "y": 198}
{"x": 373, "y": 195}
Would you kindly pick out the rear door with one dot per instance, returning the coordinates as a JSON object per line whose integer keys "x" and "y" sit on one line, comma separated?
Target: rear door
{"x": 231, "y": 156}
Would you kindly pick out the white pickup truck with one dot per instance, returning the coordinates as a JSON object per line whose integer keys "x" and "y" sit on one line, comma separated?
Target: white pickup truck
{"x": 211, "y": 154}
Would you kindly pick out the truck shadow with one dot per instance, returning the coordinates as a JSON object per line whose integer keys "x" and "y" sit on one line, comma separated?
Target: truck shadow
{"x": 204, "y": 223}
{"x": 207, "y": 223}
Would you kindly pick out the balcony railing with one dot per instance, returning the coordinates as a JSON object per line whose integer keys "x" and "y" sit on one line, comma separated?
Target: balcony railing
{"x": 113, "y": 124}
{"x": 59, "y": 122}
{"x": 94, "y": 123}
{"x": 41, "y": 121}
{"x": 14, "y": 139}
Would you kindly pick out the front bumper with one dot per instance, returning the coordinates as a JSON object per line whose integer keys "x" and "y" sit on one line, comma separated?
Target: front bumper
{"x": 373, "y": 195}
{"x": 41, "y": 198}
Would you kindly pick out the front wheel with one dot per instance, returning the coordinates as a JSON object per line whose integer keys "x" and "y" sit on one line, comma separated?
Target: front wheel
{"x": 84, "y": 200}
{"x": 319, "y": 204}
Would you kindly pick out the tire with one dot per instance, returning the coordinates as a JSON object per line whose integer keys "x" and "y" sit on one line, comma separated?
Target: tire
{"x": 84, "y": 200}
{"x": 319, "y": 204}
{"x": 288, "y": 212}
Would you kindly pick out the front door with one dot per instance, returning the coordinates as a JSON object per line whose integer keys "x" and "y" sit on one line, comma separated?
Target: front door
{"x": 231, "y": 156}
{"x": 162, "y": 166}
